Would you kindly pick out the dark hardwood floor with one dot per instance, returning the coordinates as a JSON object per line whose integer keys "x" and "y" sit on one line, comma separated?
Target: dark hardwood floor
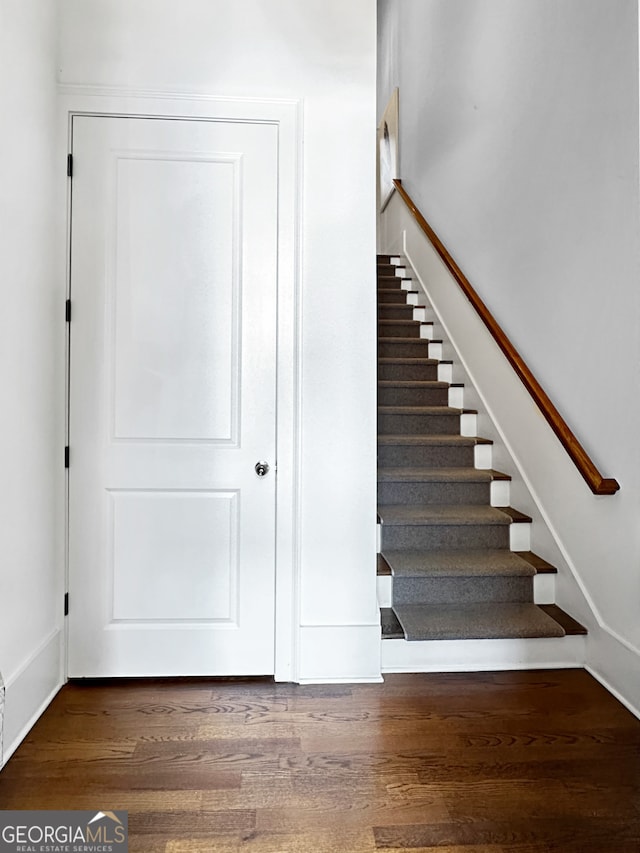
{"x": 513, "y": 761}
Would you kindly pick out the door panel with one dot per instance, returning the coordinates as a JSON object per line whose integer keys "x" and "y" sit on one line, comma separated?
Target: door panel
{"x": 176, "y": 348}
{"x": 158, "y": 536}
{"x": 172, "y": 397}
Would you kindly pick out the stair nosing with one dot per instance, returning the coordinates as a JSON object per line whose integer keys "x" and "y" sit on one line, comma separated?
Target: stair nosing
{"x": 539, "y": 563}
{"x": 571, "y": 626}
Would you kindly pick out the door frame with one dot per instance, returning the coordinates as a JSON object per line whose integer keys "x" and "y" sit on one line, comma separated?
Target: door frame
{"x": 286, "y": 115}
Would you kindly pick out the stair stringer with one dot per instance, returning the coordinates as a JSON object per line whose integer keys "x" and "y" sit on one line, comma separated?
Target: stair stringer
{"x": 505, "y": 654}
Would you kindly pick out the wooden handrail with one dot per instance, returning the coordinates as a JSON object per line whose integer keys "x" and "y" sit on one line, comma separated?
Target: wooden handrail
{"x": 594, "y": 479}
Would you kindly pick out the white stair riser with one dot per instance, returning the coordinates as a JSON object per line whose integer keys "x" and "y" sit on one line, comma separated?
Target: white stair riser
{"x": 482, "y": 655}
{"x": 544, "y": 589}
{"x": 500, "y": 493}
{"x": 520, "y": 536}
{"x": 456, "y": 397}
{"x": 385, "y": 586}
{"x": 445, "y": 372}
{"x": 468, "y": 424}
{"x": 483, "y": 456}
{"x": 435, "y": 350}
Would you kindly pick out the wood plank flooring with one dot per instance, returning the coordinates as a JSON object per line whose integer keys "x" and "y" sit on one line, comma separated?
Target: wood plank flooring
{"x": 515, "y": 761}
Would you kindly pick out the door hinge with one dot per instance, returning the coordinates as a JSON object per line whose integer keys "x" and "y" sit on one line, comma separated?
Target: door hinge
{"x": 69, "y": 165}
{"x": 67, "y": 311}
{"x": 66, "y": 604}
{"x": 66, "y": 456}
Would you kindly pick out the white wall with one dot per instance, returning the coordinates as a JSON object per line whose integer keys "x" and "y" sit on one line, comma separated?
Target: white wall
{"x": 519, "y": 128}
{"x": 519, "y": 143}
{"x": 31, "y": 366}
{"x": 321, "y": 52}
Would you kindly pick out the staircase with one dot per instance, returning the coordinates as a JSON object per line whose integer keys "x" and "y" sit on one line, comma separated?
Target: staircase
{"x": 454, "y": 561}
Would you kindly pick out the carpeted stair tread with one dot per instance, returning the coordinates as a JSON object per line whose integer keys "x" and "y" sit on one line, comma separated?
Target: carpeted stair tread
{"x": 391, "y": 280}
{"x": 398, "y": 339}
{"x": 432, "y": 440}
{"x": 396, "y": 297}
{"x": 443, "y": 514}
{"x": 388, "y": 269}
{"x": 408, "y": 308}
{"x": 395, "y": 311}
{"x": 394, "y": 282}
{"x": 412, "y": 383}
{"x": 422, "y": 410}
{"x": 463, "y": 562}
{"x": 439, "y": 475}
{"x": 476, "y": 621}
{"x": 402, "y": 329}
{"x": 407, "y": 360}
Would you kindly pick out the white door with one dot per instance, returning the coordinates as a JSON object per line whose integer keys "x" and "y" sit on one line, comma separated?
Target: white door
{"x": 172, "y": 397}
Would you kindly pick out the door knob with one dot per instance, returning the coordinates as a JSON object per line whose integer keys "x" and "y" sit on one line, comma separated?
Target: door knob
{"x": 262, "y": 469}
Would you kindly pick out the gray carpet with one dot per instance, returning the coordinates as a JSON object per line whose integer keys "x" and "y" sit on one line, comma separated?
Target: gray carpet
{"x": 442, "y": 514}
{"x": 437, "y": 475}
{"x": 478, "y": 562}
{"x": 475, "y": 621}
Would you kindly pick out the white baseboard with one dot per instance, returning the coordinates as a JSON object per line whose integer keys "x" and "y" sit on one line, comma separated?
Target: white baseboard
{"x": 482, "y": 655}
{"x": 606, "y": 654}
{"x": 339, "y": 654}
{"x": 30, "y": 690}
{"x": 349, "y": 680}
